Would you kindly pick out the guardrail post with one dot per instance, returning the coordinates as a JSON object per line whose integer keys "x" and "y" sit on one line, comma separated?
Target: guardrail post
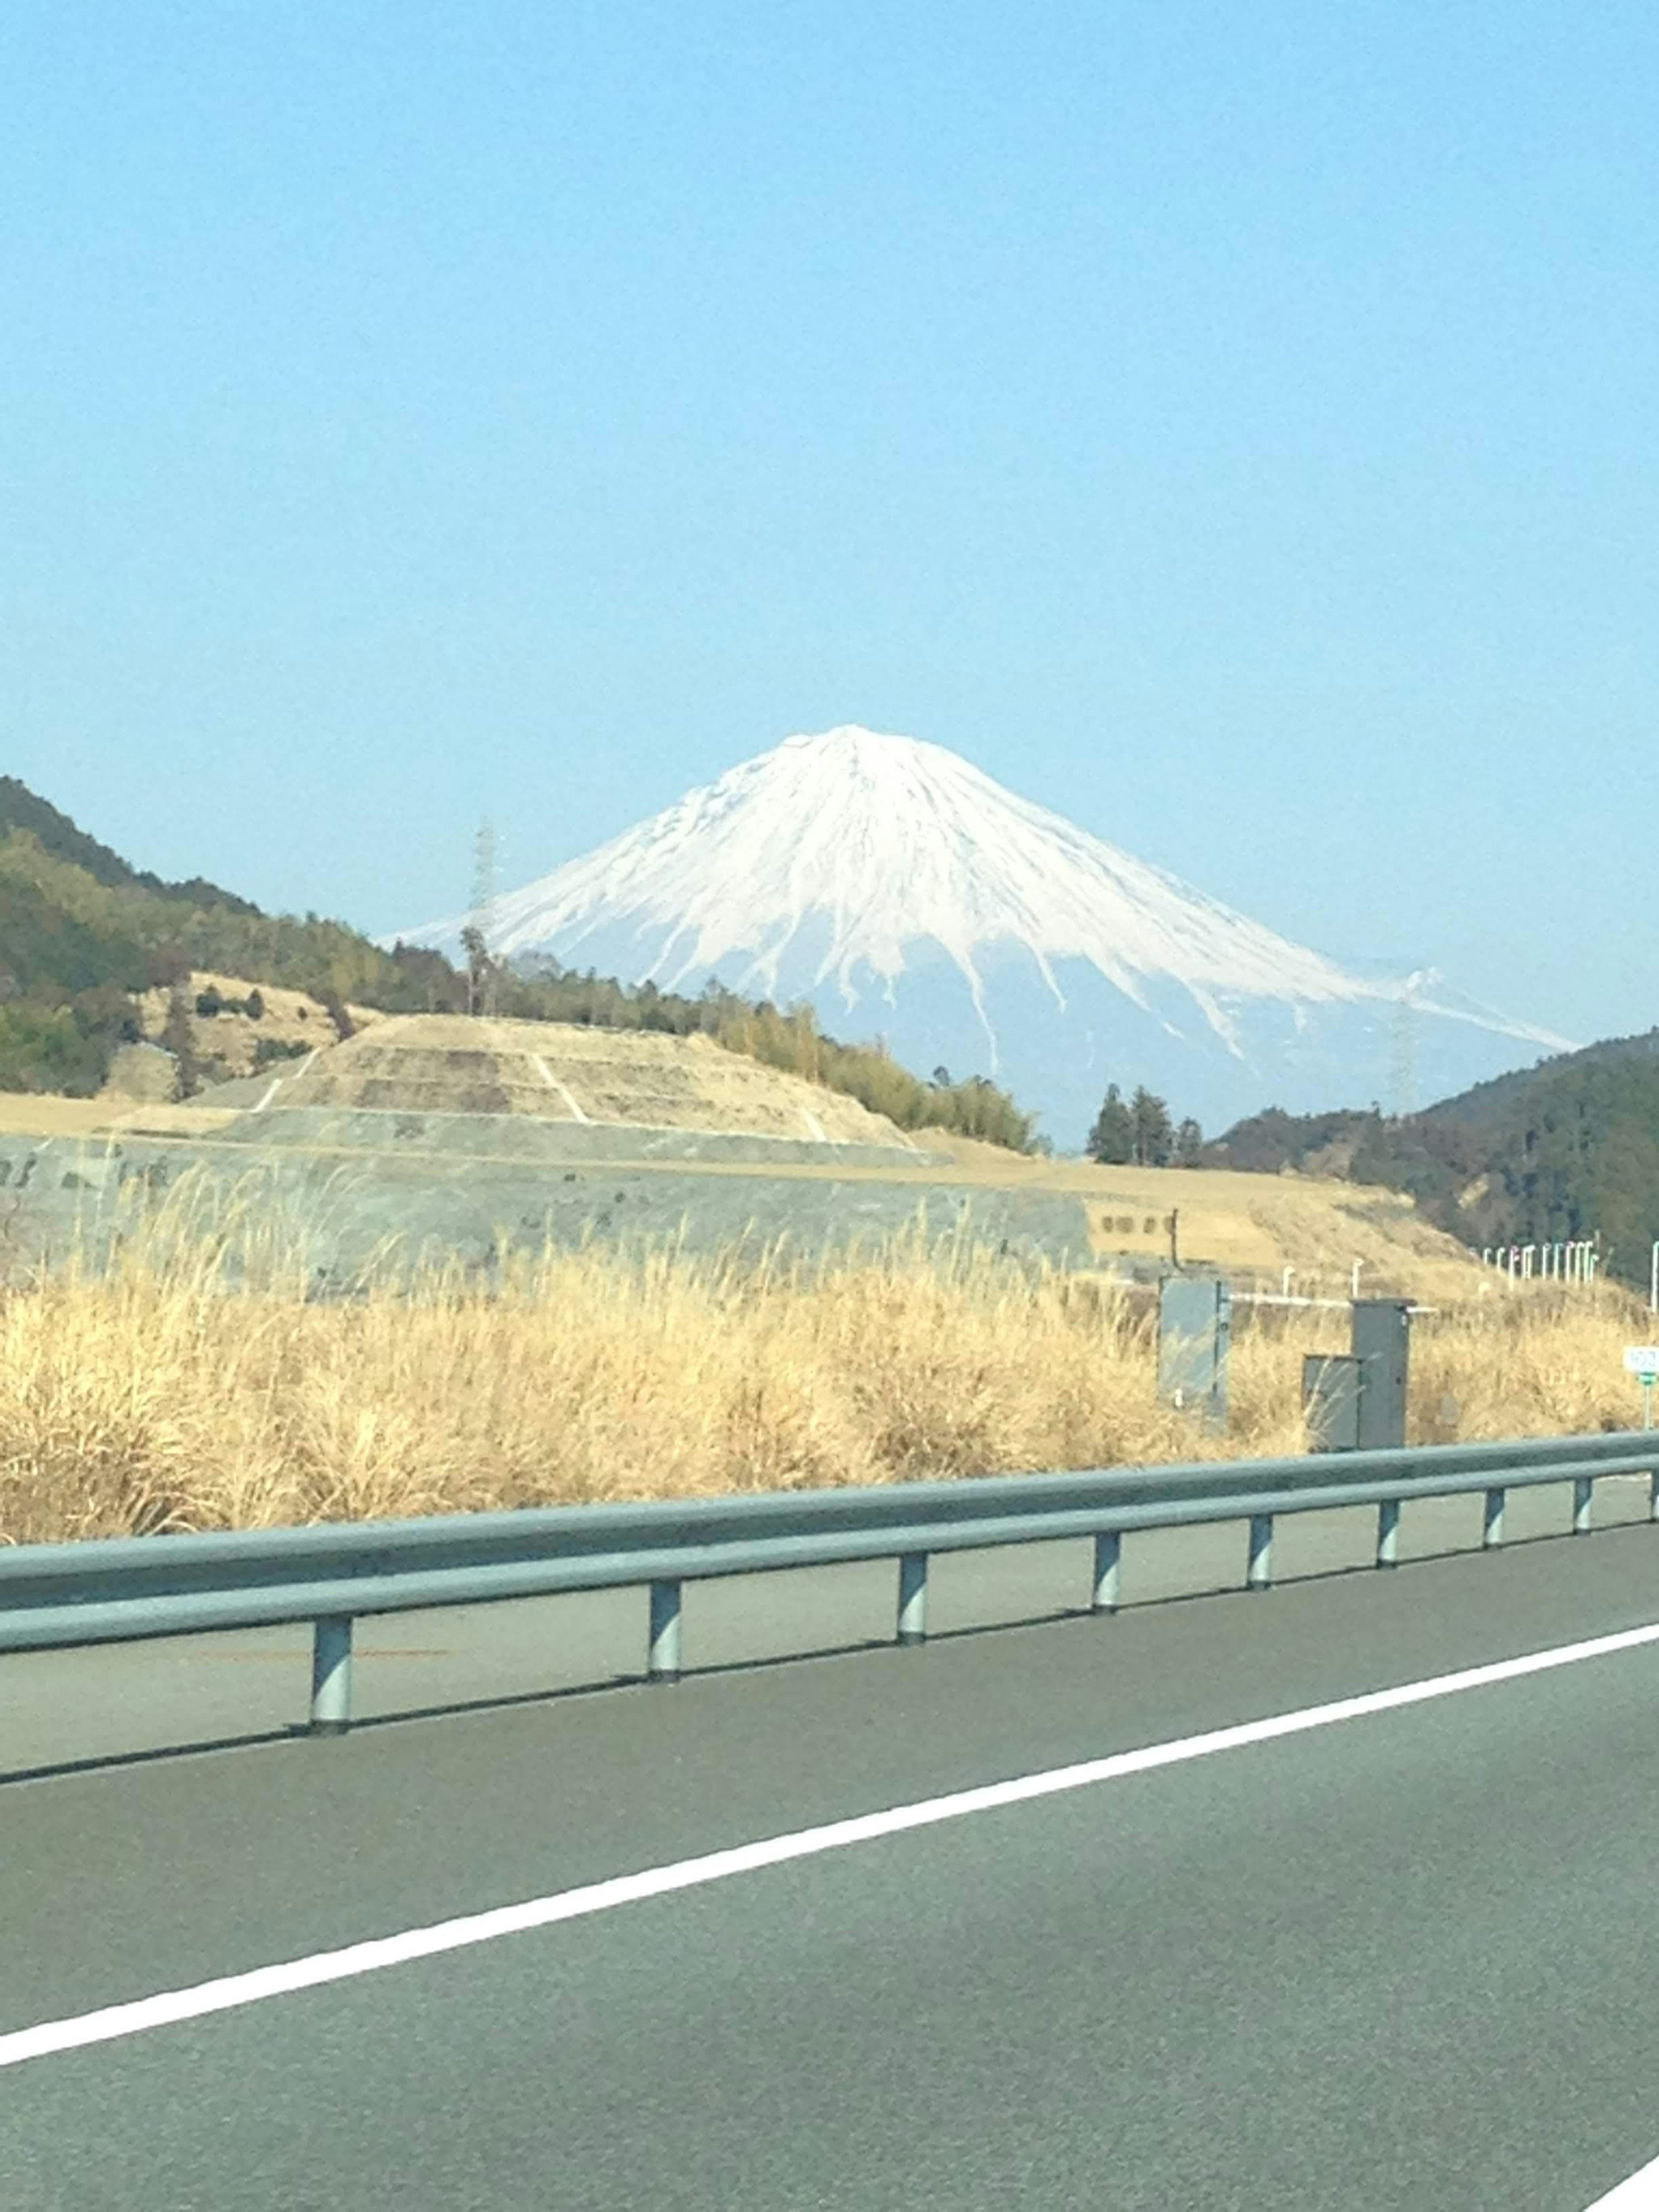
{"x": 1584, "y": 1489}
{"x": 1109, "y": 1556}
{"x": 662, "y": 1663}
{"x": 1388, "y": 1533}
{"x": 912, "y": 1597}
{"x": 331, "y": 1675}
{"x": 1260, "y": 1572}
{"x": 1492, "y": 1525}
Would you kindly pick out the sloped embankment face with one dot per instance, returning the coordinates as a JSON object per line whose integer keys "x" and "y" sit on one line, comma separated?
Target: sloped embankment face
{"x": 554, "y": 1071}
{"x": 344, "y": 1215}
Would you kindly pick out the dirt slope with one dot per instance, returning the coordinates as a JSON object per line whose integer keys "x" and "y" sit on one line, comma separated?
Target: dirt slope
{"x": 447, "y": 1064}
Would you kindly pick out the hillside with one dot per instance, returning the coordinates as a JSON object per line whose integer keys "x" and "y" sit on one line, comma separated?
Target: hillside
{"x": 1570, "y": 1148}
{"x": 21, "y": 809}
{"x": 1490, "y": 1103}
{"x": 86, "y": 943}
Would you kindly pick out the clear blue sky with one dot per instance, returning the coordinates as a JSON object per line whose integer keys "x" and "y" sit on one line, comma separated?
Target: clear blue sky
{"x": 1232, "y": 425}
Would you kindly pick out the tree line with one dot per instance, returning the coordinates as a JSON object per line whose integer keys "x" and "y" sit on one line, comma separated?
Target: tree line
{"x": 537, "y": 989}
{"x": 1139, "y": 1132}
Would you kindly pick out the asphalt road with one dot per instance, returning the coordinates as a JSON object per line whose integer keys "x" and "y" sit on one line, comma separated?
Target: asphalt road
{"x": 1404, "y": 1960}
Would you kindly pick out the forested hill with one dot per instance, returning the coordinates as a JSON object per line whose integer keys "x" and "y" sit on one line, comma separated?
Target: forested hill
{"x": 83, "y": 933}
{"x": 1567, "y": 1149}
{"x": 1492, "y": 1101}
{"x": 21, "y": 809}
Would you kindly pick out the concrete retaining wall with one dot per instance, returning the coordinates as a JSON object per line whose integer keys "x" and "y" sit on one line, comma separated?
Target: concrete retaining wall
{"x": 57, "y": 1195}
{"x": 525, "y": 1137}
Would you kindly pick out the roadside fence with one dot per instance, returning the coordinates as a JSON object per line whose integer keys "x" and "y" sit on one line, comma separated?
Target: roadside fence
{"x": 58, "y": 1596}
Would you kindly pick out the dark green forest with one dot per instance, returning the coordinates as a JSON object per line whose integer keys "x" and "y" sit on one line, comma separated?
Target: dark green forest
{"x": 1569, "y": 1149}
{"x": 82, "y": 932}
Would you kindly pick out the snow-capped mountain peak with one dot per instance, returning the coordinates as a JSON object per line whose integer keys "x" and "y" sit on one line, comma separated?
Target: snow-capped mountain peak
{"x": 864, "y": 870}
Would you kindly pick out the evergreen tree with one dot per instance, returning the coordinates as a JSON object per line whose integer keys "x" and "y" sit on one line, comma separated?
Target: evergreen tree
{"x": 1154, "y": 1136}
{"x": 179, "y": 1039}
{"x": 1112, "y": 1139}
{"x": 483, "y": 972}
{"x": 1190, "y": 1144}
{"x": 335, "y": 1007}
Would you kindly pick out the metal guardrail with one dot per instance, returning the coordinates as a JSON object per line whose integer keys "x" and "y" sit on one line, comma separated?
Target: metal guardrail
{"x": 57, "y": 1596}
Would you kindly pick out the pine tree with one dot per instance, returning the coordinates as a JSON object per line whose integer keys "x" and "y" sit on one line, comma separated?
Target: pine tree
{"x": 1112, "y": 1139}
{"x": 1190, "y": 1144}
{"x": 335, "y": 1007}
{"x": 480, "y": 969}
{"x": 179, "y": 1039}
{"x": 1153, "y": 1138}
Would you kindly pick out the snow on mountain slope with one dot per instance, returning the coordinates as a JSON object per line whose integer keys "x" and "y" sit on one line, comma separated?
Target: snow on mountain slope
{"x": 902, "y": 890}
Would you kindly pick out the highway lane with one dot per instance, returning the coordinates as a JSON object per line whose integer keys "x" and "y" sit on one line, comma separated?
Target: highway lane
{"x": 1405, "y": 1960}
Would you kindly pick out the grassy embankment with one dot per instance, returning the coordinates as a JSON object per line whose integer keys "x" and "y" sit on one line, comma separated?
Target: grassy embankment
{"x": 156, "y": 1396}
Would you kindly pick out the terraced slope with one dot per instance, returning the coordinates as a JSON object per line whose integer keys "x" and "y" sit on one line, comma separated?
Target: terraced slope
{"x": 552, "y": 1072}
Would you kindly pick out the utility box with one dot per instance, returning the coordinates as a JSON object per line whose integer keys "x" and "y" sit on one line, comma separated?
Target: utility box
{"x": 1382, "y": 1349}
{"x": 1194, "y": 1334}
{"x": 1330, "y": 1401}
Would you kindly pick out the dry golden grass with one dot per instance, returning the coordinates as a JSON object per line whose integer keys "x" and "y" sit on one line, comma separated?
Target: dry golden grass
{"x": 46, "y": 1114}
{"x": 194, "y": 1386}
{"x": 291, "y": 1018}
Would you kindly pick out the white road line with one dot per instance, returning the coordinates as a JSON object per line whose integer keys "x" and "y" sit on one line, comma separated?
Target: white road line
{"x": 114, "y": 2022}
{"x": 554, "y": 1084}
{"x": 1639, "y": 2194}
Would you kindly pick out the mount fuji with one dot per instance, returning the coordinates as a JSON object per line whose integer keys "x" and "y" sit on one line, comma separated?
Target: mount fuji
{"x": 905, "y": 893}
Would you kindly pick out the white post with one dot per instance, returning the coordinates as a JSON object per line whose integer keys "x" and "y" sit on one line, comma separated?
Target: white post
{"x": 1653, "y": 1279}
{"x": 1353, "y": 1280}
{"x": 1285, "y": 1280}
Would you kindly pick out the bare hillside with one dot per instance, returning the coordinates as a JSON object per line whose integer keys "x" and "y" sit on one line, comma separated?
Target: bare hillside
{"x": 448, "y": 1064}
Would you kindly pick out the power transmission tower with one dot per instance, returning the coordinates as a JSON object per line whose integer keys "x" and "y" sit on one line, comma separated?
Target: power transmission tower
{"x": 1402, "y": 1066}
{"x": 481, "y": 967}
